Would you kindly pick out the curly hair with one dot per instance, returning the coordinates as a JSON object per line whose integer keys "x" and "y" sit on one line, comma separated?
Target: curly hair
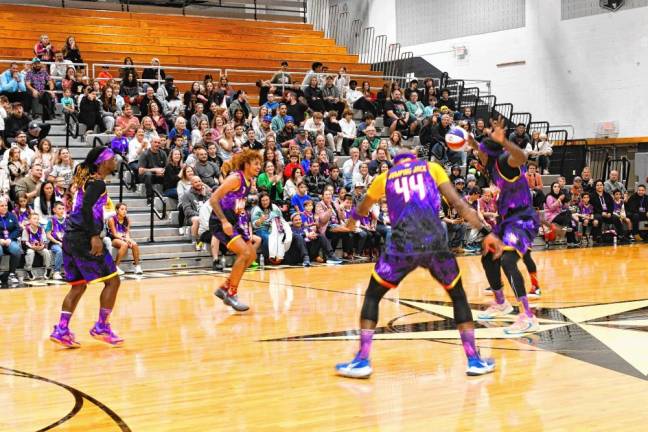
{"x": 244, "y": 157}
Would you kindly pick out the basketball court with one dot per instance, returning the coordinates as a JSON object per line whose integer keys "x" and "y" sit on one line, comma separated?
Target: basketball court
{"x": 190, "y": 363}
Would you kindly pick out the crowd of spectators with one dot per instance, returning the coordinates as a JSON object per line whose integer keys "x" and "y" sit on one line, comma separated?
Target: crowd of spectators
{"x": 321, "y": 145}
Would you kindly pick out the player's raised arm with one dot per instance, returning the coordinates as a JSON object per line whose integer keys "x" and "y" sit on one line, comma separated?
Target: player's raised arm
{"x": 517, "y": 156}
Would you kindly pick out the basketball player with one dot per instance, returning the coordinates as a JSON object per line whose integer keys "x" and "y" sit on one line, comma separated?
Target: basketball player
{"x": 85, "y": 259}
{"x": 230, "y": 222}
{"x": 413, "y": 189}
{"x": 517, "y": 225}
{"x": 530, "y": 264}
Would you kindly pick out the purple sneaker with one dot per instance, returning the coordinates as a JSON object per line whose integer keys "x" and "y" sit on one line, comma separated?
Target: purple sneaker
{"x": 105, "y": 334}
{"x": 64, "y": 337}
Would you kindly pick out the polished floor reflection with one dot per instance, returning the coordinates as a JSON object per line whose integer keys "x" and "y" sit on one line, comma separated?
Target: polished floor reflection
{"x": 190, "y": 364}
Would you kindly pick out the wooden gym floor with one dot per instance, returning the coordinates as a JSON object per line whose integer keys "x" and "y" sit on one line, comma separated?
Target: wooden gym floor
{"x": 190, "y": 364}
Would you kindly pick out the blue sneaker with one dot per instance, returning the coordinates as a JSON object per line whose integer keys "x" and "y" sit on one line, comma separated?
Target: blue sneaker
{"x": 477, "y": 366}
{"x": 357, "y": 368}
{"x": 332, "y": 259}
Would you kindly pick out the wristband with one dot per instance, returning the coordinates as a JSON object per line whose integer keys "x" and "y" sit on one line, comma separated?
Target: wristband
{"x": 484, "y": 231}
{"x": 355, "y": 215}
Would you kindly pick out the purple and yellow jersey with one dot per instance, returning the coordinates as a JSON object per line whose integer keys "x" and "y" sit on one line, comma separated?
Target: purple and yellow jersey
{"x": 57, "y": 228}
{"x": 514, "y": 190}
{"x": 234, "y": 205}
{"x": 87, "y": 215}
{"x": 414, "y": 201}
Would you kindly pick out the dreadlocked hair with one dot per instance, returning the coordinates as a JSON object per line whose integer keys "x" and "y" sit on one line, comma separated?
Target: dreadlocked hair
{"x": 87, "y": 168}
{"x": 246, "y": 156}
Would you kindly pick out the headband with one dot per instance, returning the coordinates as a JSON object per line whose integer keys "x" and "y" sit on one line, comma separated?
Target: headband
{"x": 402, "y": 156}
{"x": 105, "y": 155}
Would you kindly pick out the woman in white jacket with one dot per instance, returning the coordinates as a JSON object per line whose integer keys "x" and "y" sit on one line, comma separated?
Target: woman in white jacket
{"x": 538, "y": 150}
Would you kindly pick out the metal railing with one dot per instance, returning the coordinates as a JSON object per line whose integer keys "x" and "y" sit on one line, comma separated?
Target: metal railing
{"x": 159, "y": 80}
{"x": 154, "y": 212}
{"x": 130, "y": 186}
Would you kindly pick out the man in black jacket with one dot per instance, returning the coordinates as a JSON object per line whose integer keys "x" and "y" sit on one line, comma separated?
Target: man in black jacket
{"x": 637, "y": 211}
{"x": 148, "y": 98}
{"x": 315, "y": 181}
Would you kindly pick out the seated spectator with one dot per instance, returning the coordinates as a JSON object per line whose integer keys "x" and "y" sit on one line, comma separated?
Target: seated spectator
{"x": 305, "y": 244}
{"x": 307, "y": 158}
{"x": 271, "y": 147}
{"x": 147, "y": 100}
{"x": 184, "y": 183}
{"x": 17, "y": 168}
{"x": 637, "y": 211}
{"x": 263, "y": 216}
{"x": 26, "y": 153}
{"x": 63, "y": 167}
{"x": 226, "y": 145}
{"x": 190, "y": 203}
{"x": 172, "y": 174}
{"x": 104, "y": 77}
{"x": 119, "y": 143}
{"x": 603, "y": 205}
{"x": 159, "y": 121}
{"x": 487, "y": 208}
{"x": 320, "y": 146}
{"x": 295, "y": 108}
{"x": 198, "y": 134}
{"x": 44, "y": 49}
{"x": 519, "y": 137}
{"x": 397, "y": 117}
{"x": 150, "y": 167}
{"x": 298, "y": 199}
{"x": 288, "y": 133}
{"x": 619, "y": 210}
{"x": 130, "y": 89}
{"x": 335, "y": 180}
{"x": 613, "y": 184}
{"x": 199, "y": 116}
{"x": 332, "y": 96}
{"x": 207, "y": 171}
{"x": 12, "y": 84}
{"x": 588, "y": 181}
{"x": 30, "y": 184}
{"x": 440, "y": 147}
{"x": 180, "y": 129}
{"x": 282, "y": 77}
{"x": 239, "y": 137}
{"x": 329, "y": 217}
{"x": 34, "y": 240}
{"x": 538, "y": 150}
{"x": 535, "y": 185}
{"x": 154, "y": 75}
{"x": 90, "y": 113}
{"x": 128, "y": 122}
{"x": 9, "y": 242}
{"x": 370, "y": 136}
{"x": 271, "y": 104}
{"x": 136, "y": 148}
{"x": 290, "y": 188}
{"x": 445, "y": 101}
{"x": 556, "y": 211}
{"x": 41, "y": 89}
{"x": 314, "y": 96}
{"x": 251, "y": 141}
{"x": 55, "y": 230}
{"x": 353, "y": 93}
{"x": 119, "y": 233}
{"x": 351, "y": 167}
{"x": 349, "y": 132}
{"x": 240, "y": 101}
{"x": 381, "y": 156}
{"x": 315, "y": 181}
{"x": 173, "y": 106}
{"x": 279, "y": 121}
{"x": 415, "y": 107}
{"x": 454, "y": 224}
{"x": 270, "y": 182}
{"x": 44, "y": 202}
{"x": 362, "y": 176}
{"x": 71, "y": 51}
{"x": 58, "y": 70}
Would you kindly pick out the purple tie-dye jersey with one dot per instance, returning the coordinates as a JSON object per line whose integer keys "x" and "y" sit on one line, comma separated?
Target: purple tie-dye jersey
{"x": 76, "y": 222}
{"x": 233, "y": 203}
{"x": 514, "y": 193}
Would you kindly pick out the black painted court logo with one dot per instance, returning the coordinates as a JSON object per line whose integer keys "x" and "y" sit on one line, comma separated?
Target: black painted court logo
{"x": 611, "y": 5}
{"x": 610, "y": 335}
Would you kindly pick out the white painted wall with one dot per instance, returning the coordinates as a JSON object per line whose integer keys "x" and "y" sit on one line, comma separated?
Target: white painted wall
{"x": 382, "y": 16}
{"x": 579, "y": 72}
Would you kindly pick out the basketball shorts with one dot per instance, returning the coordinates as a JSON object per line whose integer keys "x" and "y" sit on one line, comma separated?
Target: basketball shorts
{"x": 216, "y": 228}
{"x": 518, "y": 230}
{"x": 392, "y": 268}
{"x": 82, "y": 268}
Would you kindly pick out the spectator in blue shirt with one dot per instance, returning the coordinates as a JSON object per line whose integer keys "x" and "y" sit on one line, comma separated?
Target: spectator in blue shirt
{"x": 12, "y": 84}
{"x": 297, "y": 201}
{"x": 9, "y": 232}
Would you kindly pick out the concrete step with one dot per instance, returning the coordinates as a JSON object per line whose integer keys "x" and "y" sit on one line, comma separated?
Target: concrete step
{"x": 141, "y": 234}
{"x": 167, "y": 263}
{"x": 547, "y": 179}
{"x": 142, "y": 218}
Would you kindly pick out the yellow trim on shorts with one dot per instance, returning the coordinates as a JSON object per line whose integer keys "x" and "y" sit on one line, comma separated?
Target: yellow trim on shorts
{"x": 382, "y": 281}
{"x": 453, "y": 283}
{"x": 512, "y": 248}
{"x": 104, "y": 278}
{"x": 232, "y": 241}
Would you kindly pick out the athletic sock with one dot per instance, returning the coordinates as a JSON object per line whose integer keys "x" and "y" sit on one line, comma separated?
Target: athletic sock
{"x": 366, "y": 337}
{"x": 499, "y": 296}
{"x": 231, "y": 289}
{"x": 65, "y": 319}
{"x": 104, "y": 313}
{"x": 468, "y": 341}
{"x": 534, "y": 280}
{"x": 525, "y": 303}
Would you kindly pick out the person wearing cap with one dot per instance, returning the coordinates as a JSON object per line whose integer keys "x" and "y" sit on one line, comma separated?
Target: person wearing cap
{"x": 445, "y": 100}
{"x": 279, "y": 121}
{"x": 271, "y": 103}
{"x": 306, "y": 243}
{"x": 288, "y": 133}
{"x": 460, "y": 185}
{"x": 264, "y": 129}
{"x": 332, "y": 96}
{"x": 41, "y": 89}
{"x": 36, "y": 132}
{"x": 26, "y": 153}
{"x": 413, "y": 88}
{"x": 301, "y": 139}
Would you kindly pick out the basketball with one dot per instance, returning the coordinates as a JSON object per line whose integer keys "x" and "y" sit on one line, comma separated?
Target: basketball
{"x": 456, "y": 139}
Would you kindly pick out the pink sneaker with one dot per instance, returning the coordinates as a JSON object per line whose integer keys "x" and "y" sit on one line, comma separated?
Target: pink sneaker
{"x": 105, "y": 334}
{"x": 496, "y": 310}
{"x": 64, "y": 337}
{"x": 523, "y": 324}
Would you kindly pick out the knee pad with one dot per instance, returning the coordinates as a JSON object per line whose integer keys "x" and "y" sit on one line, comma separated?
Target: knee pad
{"x": 375, "y": 292}
{"x": 462, "y": 312}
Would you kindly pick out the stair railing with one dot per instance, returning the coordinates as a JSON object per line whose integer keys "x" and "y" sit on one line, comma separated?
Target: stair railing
{"x": 154, "y": 212}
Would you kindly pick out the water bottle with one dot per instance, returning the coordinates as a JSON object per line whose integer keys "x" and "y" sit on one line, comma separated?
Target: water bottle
{"x": 222, "y": 261}
{"x": 614, "y": 241}
{"x": 261, "y": 262}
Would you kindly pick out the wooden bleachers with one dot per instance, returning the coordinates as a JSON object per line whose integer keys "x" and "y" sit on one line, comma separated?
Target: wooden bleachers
{"x": 108, "y": 37}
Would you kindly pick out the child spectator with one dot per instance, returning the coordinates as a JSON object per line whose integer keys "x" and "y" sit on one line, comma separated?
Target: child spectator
{"x": 383, "y": 225}
{"x": 35, "y": 242}
{"x": 22, "y": 210}
{"x": 297, "y": 201}
{"x": 619, "y": 210}
{"x": 68, "y": 102}
{"x": 119, "y": 143}
{"x": 119, "y": 232}
{"x": 55, "y": 230}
